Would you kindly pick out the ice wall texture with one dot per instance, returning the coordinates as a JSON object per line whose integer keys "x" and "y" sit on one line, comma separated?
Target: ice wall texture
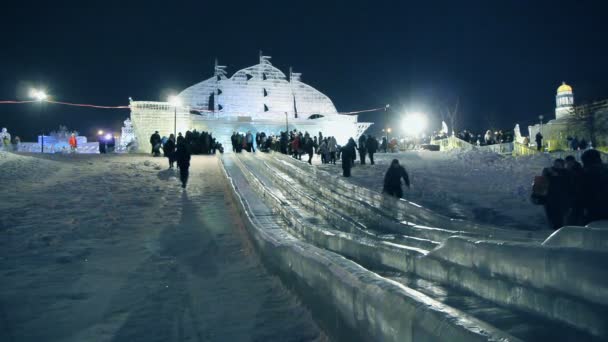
{"x": 261, "y": 92}
{"x": 260, "y": 98}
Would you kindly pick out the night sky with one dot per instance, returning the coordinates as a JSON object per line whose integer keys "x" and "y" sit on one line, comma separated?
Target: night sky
{"x": 502, "y": 59}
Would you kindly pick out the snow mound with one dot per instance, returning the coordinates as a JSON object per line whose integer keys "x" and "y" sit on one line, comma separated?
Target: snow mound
{"x": 16, "y": 167}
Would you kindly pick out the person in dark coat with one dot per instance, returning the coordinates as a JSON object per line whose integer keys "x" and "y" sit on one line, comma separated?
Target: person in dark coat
{"x": 347, "y": 159}
{"x": 309, "y": 147}
{"x": 392, "y": 179}
{"x": 575, "y": 215}
{"x": 362, "y": 148}
{"x": 352, "y": 146}
{"x": 384, "y": 144}
{"x": 180, "y": 139}
{"x": 557, "y": 199}
{"x": 102, "y": 145}
{"x": 594, "y": 187}
{"x": 169, "y": 150}
{"x": 155, "y": 141}
{"x": 372, "y": 147}
{"x": 182, "y": 156}
{"x": 233, "y": 141}
{"x": 539, "y": 141}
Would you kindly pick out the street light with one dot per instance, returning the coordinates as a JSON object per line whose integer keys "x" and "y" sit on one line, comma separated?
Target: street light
{"x": 40, "y": 96}
{"x": 414, "y": 123}
{"x": 175, "y": 101}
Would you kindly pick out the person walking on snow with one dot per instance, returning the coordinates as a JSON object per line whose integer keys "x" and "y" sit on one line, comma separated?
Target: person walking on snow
{"x": 539, "y": 141}
{"x": 169, "y": 150}
{"x": 352, "y": 146}
{"x": 392, "y": 179}
{"x": 346, "y": 154}
{"x": 73, "y": 143}
{"x": 557, "y": 201}
{"x": 362, "y": 148}
{"x": 182, "y": 157}
{"x": 372, "y": 147}
{"x": 155, "y": 142}
{"x": 332, "y": 147}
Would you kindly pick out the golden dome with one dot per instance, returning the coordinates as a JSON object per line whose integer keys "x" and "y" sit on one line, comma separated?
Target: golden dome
{"x": 564, "y": 88}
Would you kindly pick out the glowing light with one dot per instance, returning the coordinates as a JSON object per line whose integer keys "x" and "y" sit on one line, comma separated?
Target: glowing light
{"x": 100, "y": 132}
{"x": 38, "y": 95}
{"x": 414, "y": 123}
{"x": 175, "y": 100}
{"x": 388, "y": 130}
{"x": 108, "y": 136}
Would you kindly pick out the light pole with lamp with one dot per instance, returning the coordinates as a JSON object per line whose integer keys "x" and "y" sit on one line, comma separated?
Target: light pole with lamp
{"x": 286, "y": 123}
{"x": 40, "y": 96}
{"x": 175, "y": 101}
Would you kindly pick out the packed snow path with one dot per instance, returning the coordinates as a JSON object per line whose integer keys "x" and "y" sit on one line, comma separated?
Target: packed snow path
{"x": 109, "y": 248}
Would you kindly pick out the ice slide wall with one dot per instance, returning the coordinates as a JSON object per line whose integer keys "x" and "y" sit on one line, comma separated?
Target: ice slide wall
{"x": 366, "y": 304}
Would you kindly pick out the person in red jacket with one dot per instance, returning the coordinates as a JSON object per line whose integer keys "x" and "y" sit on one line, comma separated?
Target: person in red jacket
{"x": 73, "y": 142}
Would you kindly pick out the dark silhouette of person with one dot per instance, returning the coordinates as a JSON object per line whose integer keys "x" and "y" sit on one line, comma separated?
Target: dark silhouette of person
{"x": 309, "y": 147}
{"x": 362, "y": 148}
{"x": 372, "y": 147}
{"x": 169, "y": 150}
{"x": 392, "y": 179}
{"x": 575, "y": 196}
{"x": 347, "y": 160}
{"x": 557, "y": 199}
{"x": 182, "y": 156}
{"x": 594, "y": 187}
{"x": 539, "y": 141}
{"x": 155, "y": 141}
{"x": 352, "y": 146}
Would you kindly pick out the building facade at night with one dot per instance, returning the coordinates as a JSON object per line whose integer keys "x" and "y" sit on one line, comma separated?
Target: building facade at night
{"x": 260, "y": 98}
{"x": 589, "y": 122}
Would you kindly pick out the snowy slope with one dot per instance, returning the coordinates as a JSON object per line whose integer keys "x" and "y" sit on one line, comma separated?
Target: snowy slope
{"x": 109, "y": 248}
{"x": 480, "y": 186}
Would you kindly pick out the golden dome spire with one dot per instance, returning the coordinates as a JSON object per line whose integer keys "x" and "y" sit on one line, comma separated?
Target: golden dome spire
{"x": 564, "y": 88}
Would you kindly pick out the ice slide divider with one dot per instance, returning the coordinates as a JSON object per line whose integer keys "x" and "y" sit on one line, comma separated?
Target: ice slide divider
{"x": 408, "y": 212}
{"x": 375, "y": 307}
{"x": 537, "y": 279}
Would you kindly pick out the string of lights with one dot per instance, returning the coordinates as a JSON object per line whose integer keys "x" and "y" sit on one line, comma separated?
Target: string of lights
{"x": 87, "y": 105}
{"x": 127, "y": 107}
{"x": 16, "y": 102}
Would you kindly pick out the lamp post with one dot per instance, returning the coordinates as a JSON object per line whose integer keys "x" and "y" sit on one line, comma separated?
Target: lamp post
{"x": 540, "y": 118}
{"x": 175, "y": 101}
{"x": 40, "y": 96}
{"x": 286, "y": 123}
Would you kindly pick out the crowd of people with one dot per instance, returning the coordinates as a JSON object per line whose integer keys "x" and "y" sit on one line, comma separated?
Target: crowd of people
{"x": 488, "y": 138}
{"x": 571, "y": 193}
{"x": 197, "y": 142}
{"x": 178, "y": 150}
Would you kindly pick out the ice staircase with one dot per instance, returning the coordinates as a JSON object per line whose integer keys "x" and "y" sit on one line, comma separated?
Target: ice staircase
{"x": 504, "y": 277}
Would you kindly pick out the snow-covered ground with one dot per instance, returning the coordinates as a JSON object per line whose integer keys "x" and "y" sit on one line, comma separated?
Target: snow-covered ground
{"x": 479, "y": 186}
{"x": 109, "y": 248}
